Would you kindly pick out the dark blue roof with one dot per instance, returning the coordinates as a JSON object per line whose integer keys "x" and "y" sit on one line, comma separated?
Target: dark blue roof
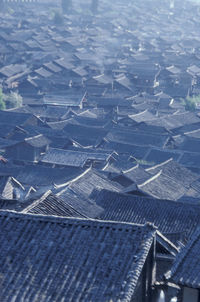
{"x": 174, "y": 121}
{"x": 137, "y": 174}
{"x": 169, "y": 216}
{"x": 37, "y": 175}
{"x": 186, "y": 268}
{"x": 85, "y": 135}
{"x": 15, "y": 118}
{"x": 163, "y": 186}
{"x": 90, "y": 180}
{"x": 190, "y": 159}
{"x": 49, "y": 204}
{"x": 81, "y": 204}
{"x": 175, "y": 171}
{"x": 140, "y": 138}
{"x": 6, "y": 143}
{"x": 63, "y": 259}
{"x": 189, "y": 144}
{"x": 64, "y": 157}
{"x": 72, "y": 157}
{"x": 157, "y": 156}
{"x": 127, "y": 148}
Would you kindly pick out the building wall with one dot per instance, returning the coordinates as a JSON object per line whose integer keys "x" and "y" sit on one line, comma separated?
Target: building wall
{"x": 21, "y": 152}
{"x": 138, "y": 297}
{"x": 144, "y": 292}
{"x": 190, "y": 295}
{"x": 8, "y": 191}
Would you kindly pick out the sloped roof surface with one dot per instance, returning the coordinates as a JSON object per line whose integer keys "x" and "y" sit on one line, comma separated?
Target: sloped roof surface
{"x": 41, "y": 176}
{"x": 168, "y": 216}
{"x": 186, "y": 268}
{"x": 37, "y": 141}
{"x": 163, "y": 187}
{"x": 14, "y": 118}
{"x": 137, "y": 174}
{"x": 59, "y": 259}
{"x": 49, "y": 204}
{"x": 174, "y": 121}
{"x": 85, "y": 206}
{"x": 158, "y": 156}
{"x": 84, "y": 185}
{"x": 175, "y": 171}
{"x": 72, "y": 157}
{"x": 136, "y": 137}
{"x": 12, "y": 69}
{"x": 123, "y": 148}
{"x": 64, "y": 157}
{"x": 43, "y": 72}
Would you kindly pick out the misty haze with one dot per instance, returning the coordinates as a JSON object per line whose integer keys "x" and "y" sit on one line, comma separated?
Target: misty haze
{"x": 99, "y": 151}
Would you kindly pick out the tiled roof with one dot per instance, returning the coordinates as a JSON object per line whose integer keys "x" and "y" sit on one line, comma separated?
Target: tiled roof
{"x": 43, "y": 72}
{"x": 168, "y": 216}
{"x": 48, "y": 132}
{"x": 84, "y": 185}
{"x": 163, "y": 187}
{"x": 14, "y": 118}
{"x": 175, "y": 171}
{"x": 5, "y": 127}
{"x": 6, "y": 143}
{"x": 137, "y": 174}
{"x": 52, "y": 67}
{"x": 143, "y": 116}
{"x": 49, "y": 204}
{"x": 72, "y": 157}
{"x": 193, "y": 70}
{"x": 174, "y": 121}
{"x": 158, "y": 156}
{"x": 82, "y": 204}
{"x": 64, "y": 259}
{"x": 127, "y": 148}
{"x": 37, "y": 141}
{"x": 12, "y": 69}
{"x": 64, "y": 157}
{"x": 188, "y": 144}
{"x": 89, "y": 121}
{"x": 139, "y": 138}
{"x": 85, "y": 135}
{"x": 186, "y": 268}
{"x": 43, "y": 176}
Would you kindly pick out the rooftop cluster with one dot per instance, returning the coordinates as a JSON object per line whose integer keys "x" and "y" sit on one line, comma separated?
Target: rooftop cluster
{"x": 99, "y": 160}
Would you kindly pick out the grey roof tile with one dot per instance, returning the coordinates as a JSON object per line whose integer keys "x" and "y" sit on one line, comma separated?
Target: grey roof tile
{"x": 52, "y": 205}
{"x": 72, "y": 157}
{"x": 36, "y": 175}
{"x": 37, "y": 141}
{"x": 169, "y": 216}
{"x": 91, "y": 179}
{"x": 175, "y": 171}
{"x": 186, "y": 268}
{"x": 140, "y": 138}
{"x": 64, "y": 259}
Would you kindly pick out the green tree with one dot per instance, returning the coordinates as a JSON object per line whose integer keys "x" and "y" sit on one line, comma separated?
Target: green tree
{"x": 13, "y": 100}
{"x": 191, "y": 103}
{"x": 2, "y": 103}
